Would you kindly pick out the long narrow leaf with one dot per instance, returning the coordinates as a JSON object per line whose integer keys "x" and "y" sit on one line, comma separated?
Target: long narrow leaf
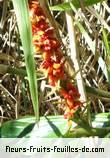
{"x": 24, "y": 25}
{"x": 106, "y": 41}
{"x": 76, "y": 3}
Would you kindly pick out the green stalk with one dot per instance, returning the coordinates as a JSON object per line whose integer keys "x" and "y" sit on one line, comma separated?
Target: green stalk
{"x": 97, "y": 92}
{"x": 83, "y": 129}
{"x": 82, "y": 132}
{"x": 24, "y": 25}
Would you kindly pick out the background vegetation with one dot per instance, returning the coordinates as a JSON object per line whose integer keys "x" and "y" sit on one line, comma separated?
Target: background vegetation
{"x": 19, "y": 93}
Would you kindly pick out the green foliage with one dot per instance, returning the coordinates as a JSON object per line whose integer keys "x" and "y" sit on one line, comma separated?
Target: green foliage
{"x": 24, "y": 25}
{"x": 76, "y": 3}
{"x": 106, "y": 42}
{"x": 55, "y": 127}
{"x": 107, "y": 46}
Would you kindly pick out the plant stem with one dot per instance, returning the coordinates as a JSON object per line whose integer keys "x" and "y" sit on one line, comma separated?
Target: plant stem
{"x": 75, "y": 55}
{"x": 82, "y": 132}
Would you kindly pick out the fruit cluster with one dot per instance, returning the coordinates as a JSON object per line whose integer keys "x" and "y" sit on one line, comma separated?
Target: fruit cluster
{"x": 52, "y": 64}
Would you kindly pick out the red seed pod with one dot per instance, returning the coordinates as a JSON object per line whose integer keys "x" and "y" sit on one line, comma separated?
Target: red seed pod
{"x": 64, "y": 93}
{"x": 46, "y": 64}
{"x": 50, "y": 70}
{"x": 70, "y": 102}
{"x": 52, "y": 80}
{"x": 46, "y": 56}
{"x": 41, "y": 25}
{"x": 56, "y": 65}
{"x": 49, "y": 33}
{"x": 52, "y": 58}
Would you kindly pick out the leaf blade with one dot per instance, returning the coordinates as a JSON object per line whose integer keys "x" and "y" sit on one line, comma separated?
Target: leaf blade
{"x": 76, "y": 3}
{"x": 24, "y": 25}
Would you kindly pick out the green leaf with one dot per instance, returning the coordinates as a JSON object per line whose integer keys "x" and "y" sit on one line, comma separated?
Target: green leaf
{"x": 106, "y": 42}
{"x": 76, "y": 3}
{"x": 24, "y": 25}
{"x": 101, "y": 119}
{"x": 53, "y": 126}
